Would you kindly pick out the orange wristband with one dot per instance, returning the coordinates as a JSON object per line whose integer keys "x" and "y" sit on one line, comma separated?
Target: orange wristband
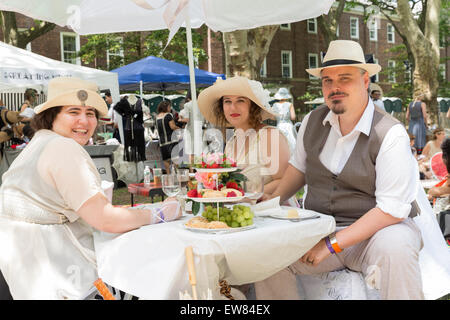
{"x": 334, "y": 243}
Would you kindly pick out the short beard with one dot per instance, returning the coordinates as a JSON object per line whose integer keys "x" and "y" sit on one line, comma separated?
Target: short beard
{"x": 337, "y": 110}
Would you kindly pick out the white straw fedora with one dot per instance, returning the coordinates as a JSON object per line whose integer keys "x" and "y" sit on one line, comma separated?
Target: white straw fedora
{"x": 239, "y": 86}
{"x": 345, "y": 53}
{"x": 70, "y": 91}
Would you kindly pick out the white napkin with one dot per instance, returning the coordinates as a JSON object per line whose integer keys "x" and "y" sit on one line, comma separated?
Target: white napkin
{"x": 267, "y": 207}
{"x": 28, "y": 113}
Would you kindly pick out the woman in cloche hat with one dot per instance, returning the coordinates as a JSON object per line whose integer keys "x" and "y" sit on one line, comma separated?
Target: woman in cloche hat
{"x": 51, "y": 200}
{"x": 258, "y": 149}
{"x": 285, "y": 115}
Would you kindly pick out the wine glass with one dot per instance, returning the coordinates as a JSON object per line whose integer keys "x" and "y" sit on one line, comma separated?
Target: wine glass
{"x": 183, "y": 177}
{"x": 170, "y": 184}
{"x": 254, "y": 188}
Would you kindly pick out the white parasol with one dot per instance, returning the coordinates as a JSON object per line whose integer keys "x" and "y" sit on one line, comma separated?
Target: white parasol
{"x": 109, "y": 16}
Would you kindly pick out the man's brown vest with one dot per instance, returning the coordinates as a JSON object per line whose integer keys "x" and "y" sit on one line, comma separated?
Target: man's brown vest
{"x": 350, "y": 194}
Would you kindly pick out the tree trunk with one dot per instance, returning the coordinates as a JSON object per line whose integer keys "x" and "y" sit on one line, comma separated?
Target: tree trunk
{"x": 20, "y": 39}
{"x": 425, "y": 49}
{"x": 245, "y": 50}
{"x": 328, "y": 23}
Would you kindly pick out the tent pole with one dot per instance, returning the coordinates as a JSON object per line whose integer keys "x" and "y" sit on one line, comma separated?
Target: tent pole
{"x": 197, "y": 130}
{"x": 141, "y": 89}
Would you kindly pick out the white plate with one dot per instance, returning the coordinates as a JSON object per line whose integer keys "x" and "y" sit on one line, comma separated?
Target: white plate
{"x": 217, "y": 231}
{"x": 302, "y": 213}
{"x": 222, "y": 199}
{"x": 218, "y": 170}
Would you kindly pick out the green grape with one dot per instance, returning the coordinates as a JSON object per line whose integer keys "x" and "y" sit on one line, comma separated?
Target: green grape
{"x": 228, "y": 218}
{"x": 234, "y": 224}
{"x": 246, "y": 214}
{"x": 240, "y": 218}
{"x": 243, "y": 223}
{"x": 249, "y": 221}
{"x": 222, "y": 219}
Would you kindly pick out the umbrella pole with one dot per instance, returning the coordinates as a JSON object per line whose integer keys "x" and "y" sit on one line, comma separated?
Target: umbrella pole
{"x": 197, "y": 133}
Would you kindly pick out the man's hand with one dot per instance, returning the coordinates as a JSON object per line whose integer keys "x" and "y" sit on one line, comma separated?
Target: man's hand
{"x": 317, "y": 254}
{"x": 265, "y": 197}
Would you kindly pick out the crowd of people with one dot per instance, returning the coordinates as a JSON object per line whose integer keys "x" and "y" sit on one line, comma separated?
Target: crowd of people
{"x": 355, "y": 160}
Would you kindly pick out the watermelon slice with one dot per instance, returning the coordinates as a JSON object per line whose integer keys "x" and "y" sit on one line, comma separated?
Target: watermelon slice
{"x": 438, "y": 167}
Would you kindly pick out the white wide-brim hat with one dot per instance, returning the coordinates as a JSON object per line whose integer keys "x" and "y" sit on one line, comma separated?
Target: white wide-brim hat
{"x": 238, "y": 86}
{"x": 282, "y": 94}
{"x": 70, "y": 91}
{"x": 345, "y": 53}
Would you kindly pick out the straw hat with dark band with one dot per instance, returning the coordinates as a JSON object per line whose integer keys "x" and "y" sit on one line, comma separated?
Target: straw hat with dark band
{"x": 69, "y": 91}
{"x": 238, "y": 86}
{"x": 345, "y": 53}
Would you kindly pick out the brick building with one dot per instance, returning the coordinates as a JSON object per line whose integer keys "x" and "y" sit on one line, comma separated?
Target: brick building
{"x": 294, "y": 48}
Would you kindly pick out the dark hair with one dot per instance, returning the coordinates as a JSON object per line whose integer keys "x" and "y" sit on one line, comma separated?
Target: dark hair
{"x": 30, "y": 93}
{"x": 376, "y": 90}
{"x": 107, "y": 93}
{"x": 445, "y": 146}
{"x": 255, "y": 114}
{"x": 28, "y": 131}
{"x": 436, "y": 131}
{"x": 45, "y": 119}
{"x": 163, "y": 106}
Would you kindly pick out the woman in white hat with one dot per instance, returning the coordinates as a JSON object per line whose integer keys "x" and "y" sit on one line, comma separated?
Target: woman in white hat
{"x": 285, "y": 115}
{"x": 260, "y": 150}
{"x": 51, "y": 200}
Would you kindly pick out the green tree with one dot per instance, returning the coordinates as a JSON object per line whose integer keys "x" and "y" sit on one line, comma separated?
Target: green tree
{"x": 13, "y": 36}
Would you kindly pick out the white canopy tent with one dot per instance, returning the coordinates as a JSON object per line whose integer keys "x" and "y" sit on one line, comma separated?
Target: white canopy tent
{"x": 20, "y": 69}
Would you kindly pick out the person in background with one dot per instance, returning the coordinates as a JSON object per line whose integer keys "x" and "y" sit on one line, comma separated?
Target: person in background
{"x": 284, "y": 109}
{"x": 416, "y": 115}
{"x": 376, "y": 98}
{"x": 434, "y": 145}
{"x": 30, "y": 96}
{"x": 412, "y": 140}
{"x": 442, "y": 192}
{"x": 166, "y": 126}
{"x": 51, "y": 200}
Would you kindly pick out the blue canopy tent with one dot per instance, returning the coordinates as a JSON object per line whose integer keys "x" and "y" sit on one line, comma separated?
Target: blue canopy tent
{"x": 156, "y": 74}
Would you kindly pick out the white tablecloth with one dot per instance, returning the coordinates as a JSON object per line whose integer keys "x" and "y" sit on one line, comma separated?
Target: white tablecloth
{"x": 150, "y": 263}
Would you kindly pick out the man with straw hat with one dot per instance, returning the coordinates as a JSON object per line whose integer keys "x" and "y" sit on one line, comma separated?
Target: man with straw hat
{"x": 357, "y": 164}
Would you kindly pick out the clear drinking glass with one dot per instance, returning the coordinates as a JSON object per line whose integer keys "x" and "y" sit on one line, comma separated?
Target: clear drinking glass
{"x": 170, "y": 184}
{"x": 183, "y": 177}
{"x": 254, "y": 188}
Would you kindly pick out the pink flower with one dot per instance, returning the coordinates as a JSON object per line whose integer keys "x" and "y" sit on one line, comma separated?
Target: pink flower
{"x": 206, "y": 179}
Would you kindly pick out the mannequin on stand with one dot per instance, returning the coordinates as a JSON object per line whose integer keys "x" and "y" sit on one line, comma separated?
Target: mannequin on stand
{"x": 130, "y": 108}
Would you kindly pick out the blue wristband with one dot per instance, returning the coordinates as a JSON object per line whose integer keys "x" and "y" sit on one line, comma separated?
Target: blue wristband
{"x": 328, "y": 243}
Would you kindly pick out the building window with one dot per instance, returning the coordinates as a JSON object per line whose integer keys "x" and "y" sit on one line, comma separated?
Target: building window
{"x": 115, "y": 54}
{"x": 373, "y": 27}
{"x": 286, "y": 64}
{"x": 263, "y": 70}
{"x": 70, "y": 45}
{"x": 375, "y": 60}
{"x": 390, "y": 33}
{"x": 442, "y": 72}
{"x": 354, "y": 28}
{"x": 313, "y": 62}
{"x": 285, "y": 26}
{"x": 312, "y": 25}
{"x": 391, "y": 75}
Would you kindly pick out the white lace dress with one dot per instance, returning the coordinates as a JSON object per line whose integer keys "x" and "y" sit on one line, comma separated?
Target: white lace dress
{"x": 284, "y": 123}
{"x": 47, "y": 251}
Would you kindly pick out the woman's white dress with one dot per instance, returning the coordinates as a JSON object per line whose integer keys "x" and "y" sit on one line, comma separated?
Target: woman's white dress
{"x": 284, "y": 123}
{"x": 47, "y": 251}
